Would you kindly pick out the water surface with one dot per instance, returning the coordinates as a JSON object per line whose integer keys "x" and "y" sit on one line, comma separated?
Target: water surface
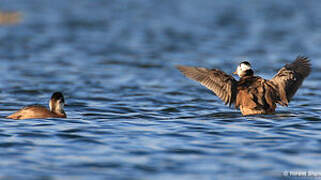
{"x": 131, "y": 114}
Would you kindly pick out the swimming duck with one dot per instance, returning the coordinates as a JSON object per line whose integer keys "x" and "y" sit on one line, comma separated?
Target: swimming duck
{"x": 56, "y": 109}
{"x": 252, "y": 94}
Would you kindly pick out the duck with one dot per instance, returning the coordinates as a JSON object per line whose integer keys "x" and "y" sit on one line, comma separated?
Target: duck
{"x": 56, "y": 109}
{"x": 252, "y": 94}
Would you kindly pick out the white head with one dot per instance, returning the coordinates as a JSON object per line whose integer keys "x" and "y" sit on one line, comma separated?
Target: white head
{"x": 244, "y": 69}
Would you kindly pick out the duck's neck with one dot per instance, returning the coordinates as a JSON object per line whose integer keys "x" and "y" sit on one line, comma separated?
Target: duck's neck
{"x": 248, "y": 73}
{"x": 60, "y": 112}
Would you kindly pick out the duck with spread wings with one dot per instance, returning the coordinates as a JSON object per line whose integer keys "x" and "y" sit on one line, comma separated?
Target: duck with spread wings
{"x": 252, "y": 94}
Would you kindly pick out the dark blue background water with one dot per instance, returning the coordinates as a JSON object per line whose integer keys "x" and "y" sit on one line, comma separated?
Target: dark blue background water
{"x": 131, "y": 114}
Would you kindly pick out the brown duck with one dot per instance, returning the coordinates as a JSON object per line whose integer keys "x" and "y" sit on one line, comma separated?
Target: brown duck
{"x": 56, "y": 109}
{"x": 252, "y": 94}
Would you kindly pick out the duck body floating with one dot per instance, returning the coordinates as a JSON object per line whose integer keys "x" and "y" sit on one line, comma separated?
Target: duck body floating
{"x": 252, "y": 94}
{"x": 56, "y": 109}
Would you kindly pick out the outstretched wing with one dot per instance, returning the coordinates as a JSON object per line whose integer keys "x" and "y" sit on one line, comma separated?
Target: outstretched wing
{"x": 223, "y": 85}
{"x": 290, "y": 77}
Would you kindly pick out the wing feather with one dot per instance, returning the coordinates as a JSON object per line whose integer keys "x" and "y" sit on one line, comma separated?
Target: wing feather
{"x": 290, "y": 78}
{"x": 223, "y": 85}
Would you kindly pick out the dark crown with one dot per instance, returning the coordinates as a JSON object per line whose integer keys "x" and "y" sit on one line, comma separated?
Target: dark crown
{"x": 57, "y": 96}
{"x": 245, "y": 62}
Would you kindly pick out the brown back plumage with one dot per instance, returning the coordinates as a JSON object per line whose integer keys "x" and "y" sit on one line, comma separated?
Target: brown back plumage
{"x": 255, "y": 96}
{"x": 34, "y": 112}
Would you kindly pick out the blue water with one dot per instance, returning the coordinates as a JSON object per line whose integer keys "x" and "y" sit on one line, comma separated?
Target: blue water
{"x": 131, "y": 114}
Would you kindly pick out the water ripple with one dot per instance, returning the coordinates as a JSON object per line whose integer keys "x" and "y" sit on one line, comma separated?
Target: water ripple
{"x": 131, "y": 114}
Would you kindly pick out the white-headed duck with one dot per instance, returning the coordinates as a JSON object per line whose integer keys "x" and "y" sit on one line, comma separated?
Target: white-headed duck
{"x": 252, "y": 94}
